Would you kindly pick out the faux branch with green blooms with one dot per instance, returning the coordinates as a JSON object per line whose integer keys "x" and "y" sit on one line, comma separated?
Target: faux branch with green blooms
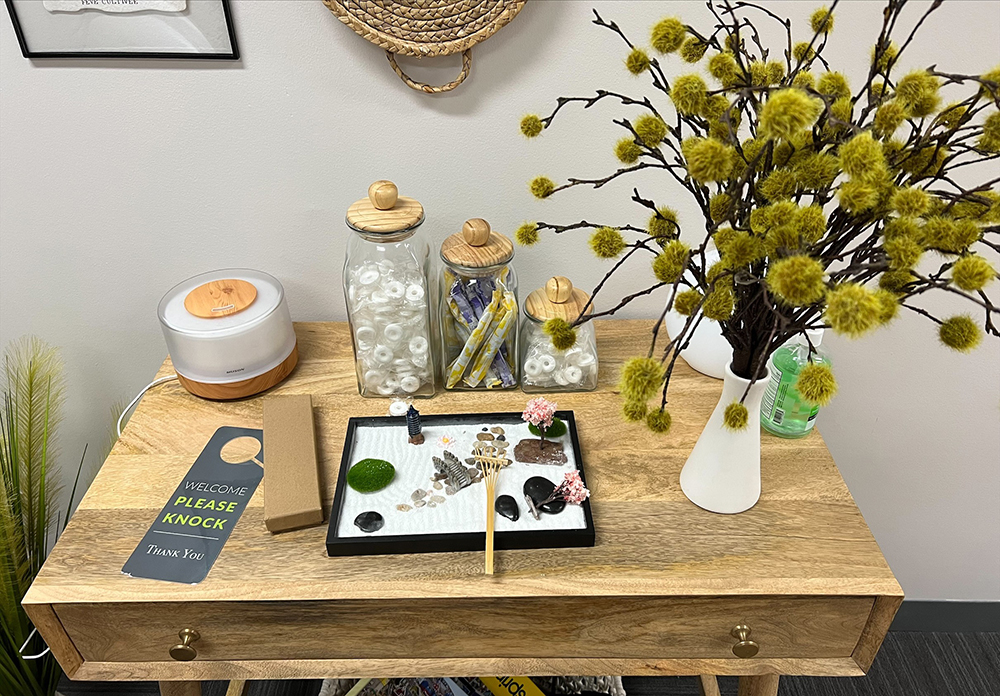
{"x": 825, "y": 202}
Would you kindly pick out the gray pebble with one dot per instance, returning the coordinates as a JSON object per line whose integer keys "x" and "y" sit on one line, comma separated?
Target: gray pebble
{"x": 431, "y": 504}
{"x": 437, "y": 498}
{"x": 403, "y": 507}
{"x": 438, "y": 486}
{"x": 496, "y": 430}
{"x": 449, "y": 490}
{"x": 420, "y": 503}
{"x": 418, "y": 494}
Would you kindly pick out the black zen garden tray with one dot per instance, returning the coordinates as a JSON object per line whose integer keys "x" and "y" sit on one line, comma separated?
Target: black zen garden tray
{"x": 418, "y": 516}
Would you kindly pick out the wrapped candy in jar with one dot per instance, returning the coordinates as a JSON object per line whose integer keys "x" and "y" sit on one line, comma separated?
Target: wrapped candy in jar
{"x": 545, "y": 368}
{"x": 385, "y": 285}
{"x": 478, "y": 311}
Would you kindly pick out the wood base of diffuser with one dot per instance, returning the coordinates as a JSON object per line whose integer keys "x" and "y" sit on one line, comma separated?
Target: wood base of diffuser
{"x": 246, "y": 387}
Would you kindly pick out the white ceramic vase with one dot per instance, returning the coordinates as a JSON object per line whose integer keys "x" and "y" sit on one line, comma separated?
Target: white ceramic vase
{"x": 722, "y": 473}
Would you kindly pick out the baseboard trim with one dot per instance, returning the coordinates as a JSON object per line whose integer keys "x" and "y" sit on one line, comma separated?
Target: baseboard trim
{"x": 947, "y": 616}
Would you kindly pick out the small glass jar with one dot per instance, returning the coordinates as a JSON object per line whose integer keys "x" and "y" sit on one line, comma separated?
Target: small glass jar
{"x": 387, "y": 294}
{"x": 478, "y": 310}
{"x": 545, "y": 368}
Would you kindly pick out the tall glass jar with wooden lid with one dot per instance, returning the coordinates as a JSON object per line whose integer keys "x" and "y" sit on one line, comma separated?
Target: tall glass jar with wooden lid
{"x": 478, "y": 309}
{"x": 545, "y": 368}
{"x": 387, "y": 294}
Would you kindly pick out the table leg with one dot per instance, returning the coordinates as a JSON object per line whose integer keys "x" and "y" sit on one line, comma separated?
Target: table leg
{"x": 709, "y": 685}
{"x": 190, "y": 688}
{"x": 238, "y": 688}
{"x": 761, "y": 685}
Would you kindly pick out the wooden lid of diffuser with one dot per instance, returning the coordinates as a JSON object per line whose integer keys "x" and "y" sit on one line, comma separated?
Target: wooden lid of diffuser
{"x": 220, "y": 298}
{"x": 384, "y": 210}
{"x": 557, "y": 300}
{"x": 477, "y": 246}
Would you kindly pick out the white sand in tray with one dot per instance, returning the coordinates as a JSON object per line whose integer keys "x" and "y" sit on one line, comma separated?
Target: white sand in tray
{"x": 465, "y": 511}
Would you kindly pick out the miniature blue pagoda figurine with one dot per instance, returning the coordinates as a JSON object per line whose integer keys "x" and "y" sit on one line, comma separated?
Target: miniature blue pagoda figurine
{"x": 413, "y": 426}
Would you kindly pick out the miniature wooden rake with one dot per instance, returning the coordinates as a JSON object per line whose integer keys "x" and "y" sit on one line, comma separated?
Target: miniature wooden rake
{"x": 490, "y": 457}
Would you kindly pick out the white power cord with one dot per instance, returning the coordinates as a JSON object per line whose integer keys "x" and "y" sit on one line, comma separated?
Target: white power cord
{"x": 138, "y": 396}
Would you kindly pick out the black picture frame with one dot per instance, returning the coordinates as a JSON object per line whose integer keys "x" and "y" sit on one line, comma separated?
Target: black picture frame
{"x": 460, "y": 541}
{"x": 187, "y": 55}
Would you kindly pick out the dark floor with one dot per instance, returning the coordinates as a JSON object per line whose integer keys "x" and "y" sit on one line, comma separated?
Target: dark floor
{"x": 909, "y": 664}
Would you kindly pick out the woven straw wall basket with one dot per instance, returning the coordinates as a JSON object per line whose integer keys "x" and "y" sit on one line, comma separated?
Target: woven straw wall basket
{"x": 423, "y": 28}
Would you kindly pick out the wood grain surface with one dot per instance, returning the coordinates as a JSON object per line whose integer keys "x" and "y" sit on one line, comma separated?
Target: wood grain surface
{"x": 805, "y": 541}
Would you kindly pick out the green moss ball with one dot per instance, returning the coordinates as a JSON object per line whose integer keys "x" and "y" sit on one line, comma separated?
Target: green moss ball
{"x": 370, "y": 475}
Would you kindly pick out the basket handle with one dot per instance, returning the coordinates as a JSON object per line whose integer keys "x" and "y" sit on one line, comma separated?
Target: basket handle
{"x": 431, "y": 89}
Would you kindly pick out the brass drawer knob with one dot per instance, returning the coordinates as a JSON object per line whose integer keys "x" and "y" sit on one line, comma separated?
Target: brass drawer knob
{"x": 184, "y": 651}
{"x": 745, "y": 647}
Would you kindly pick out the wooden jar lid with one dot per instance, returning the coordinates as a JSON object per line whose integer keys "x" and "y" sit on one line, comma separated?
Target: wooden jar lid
{"x": 220, "y": 298}
{"x": 476, "y": 246}
{"x": 557, "y": 300}
{"x": 384, "y": 210}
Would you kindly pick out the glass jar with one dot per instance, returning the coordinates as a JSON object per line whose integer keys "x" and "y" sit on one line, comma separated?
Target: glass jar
{"x": 545, "y": 368}
{"x": 478, "y": 310}
{"x": 386, "y": 290}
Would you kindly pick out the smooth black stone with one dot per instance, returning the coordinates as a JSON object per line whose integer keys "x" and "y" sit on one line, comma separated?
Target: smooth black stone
{"x": 507, "y": 506}
{"x": 501, "y": 437}
{"x": 538, "y": 489}
{"x": 369, "y": 521}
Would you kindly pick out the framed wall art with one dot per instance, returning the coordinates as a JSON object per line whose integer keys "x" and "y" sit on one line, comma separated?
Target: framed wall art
{"x": 198, "y": 29}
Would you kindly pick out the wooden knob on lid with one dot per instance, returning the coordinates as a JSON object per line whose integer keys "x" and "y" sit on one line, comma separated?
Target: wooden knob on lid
{"x": 559, "y": 289}
{"x": 383, "y": 194}
{"x": 476, "y": 232}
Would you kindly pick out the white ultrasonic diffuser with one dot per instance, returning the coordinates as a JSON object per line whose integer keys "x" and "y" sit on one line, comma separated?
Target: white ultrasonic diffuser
{"x": 229, "y": 333}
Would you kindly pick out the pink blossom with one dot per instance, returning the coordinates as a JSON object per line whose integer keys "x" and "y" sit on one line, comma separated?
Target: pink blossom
{"x": 540, "y": 412}
{"x": 572, "y": 489}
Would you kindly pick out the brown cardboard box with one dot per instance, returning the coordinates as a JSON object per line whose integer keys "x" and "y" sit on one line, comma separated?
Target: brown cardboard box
{"x": 291, "y": 472}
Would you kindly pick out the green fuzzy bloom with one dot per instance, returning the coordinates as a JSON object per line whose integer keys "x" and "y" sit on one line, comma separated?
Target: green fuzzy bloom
{"x": 910, "y": 202}
{"x": 989, "y": 141}
{"x": 887, "y": 57}
{"x": 802, "y": 52}
{"x": 668, "y": 35}
{"x": 708, "y": 159}
{"x": 741, "y": 249}
{"x": 925, "y": 161}
{"x": 903, "y": 227}
{"x": 723, "y": 236}
{"x": 991, "y": 76}
{"x": 723, "y": 67}
{"x": 782, "y": 238}
{"x": 833, "y": 84}
{"x": 775, "y": 71}
{"x": 788, "y": 111}
{"x": 687, "y": 302}
{"x": 797, "y": 280}
{"x": 634, "y": 411}
{"x": 842, "y": 110}
{"x": 658, "y": 421}
{"x": 640, "y": 379}
{"x": 720, "y": 206}
{"x": 627, "y": 151}
{"x": 857, "y": 197}
{"x": 715, "y": 274}
{"x": 542, "y": 187}
{"x": 960, "y": 333}
{"x": 974, "y": 208}
{"x": 804, "y": 80}
{"x": 972, "y": 273}
{"x": 904, "y": 253}
{"x": 531, "y": 126}
{"x": 758, "y": 74}
{"x": 895, "y": 281}
{"x": 607, "y": 243}
{"x": 527, "y": 234}
{"x": 671, "y": 262}
{"x": 663, "y": 223}
{"x": 637, "y": 61}
{"x": 852, "y": 310}
{"x": 693, "y": 50}
{"x": 723, "y": 131}
{"x": 562, "y": 334}
{"x": 951, "y": 116}
{"x": 879, "y": 92}
{"x": 862, "y": 158}
{"x": 716, "y": 106}
{"x": 951, "y": 236}
{"x": 816, "y": 170}
{"x": 810, "y": 223}
{"x": 719, "y": 303}
{"x": 766, "y": 218}
{"x": 689, "y": 94}
{"x": 918, "y": 93}
{"x": 888, "y": 304}
{"x": 779, "y": 185}
{"x": 821, "y": 20}
{"x": 816, "y": 384}
{"x": 651, "y": 130}
{"x": 736, "y": 417}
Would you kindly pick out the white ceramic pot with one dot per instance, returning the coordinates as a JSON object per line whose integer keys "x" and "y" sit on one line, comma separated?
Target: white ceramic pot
{"x": 708, "y": 352}
{"x": 722, "y": 473}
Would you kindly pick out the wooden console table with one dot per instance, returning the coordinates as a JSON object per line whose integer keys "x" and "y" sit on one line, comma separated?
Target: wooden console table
{"x": 660, "y": 594}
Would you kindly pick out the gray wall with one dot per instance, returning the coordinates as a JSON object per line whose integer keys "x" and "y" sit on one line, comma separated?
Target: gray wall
{"x": 119, "y": 179}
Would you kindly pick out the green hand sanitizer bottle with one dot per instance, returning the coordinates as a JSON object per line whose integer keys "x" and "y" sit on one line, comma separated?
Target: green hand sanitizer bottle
{"x": 782, "y": 411}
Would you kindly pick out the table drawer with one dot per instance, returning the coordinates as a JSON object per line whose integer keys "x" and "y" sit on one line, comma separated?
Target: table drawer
{"x": 610, "y": 627}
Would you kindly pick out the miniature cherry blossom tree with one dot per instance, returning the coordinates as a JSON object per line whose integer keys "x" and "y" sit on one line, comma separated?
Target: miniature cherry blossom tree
{"x": 540, "y": 413}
